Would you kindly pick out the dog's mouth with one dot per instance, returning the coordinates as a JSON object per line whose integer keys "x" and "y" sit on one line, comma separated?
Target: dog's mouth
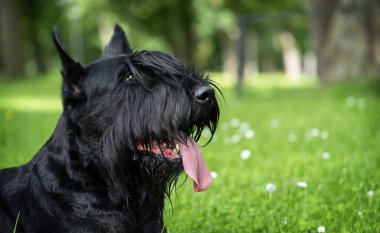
{"x": 168, "y": 150}
{"x": 188, "y": 150}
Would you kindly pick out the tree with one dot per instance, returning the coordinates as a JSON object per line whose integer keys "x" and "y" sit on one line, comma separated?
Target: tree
{"x": 12, "y": 53}
{"x": 346, "y": 38}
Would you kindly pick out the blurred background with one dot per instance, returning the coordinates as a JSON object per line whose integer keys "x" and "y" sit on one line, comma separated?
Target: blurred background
{"x": 333, "y": 40}
{"x": 298, "y": 144}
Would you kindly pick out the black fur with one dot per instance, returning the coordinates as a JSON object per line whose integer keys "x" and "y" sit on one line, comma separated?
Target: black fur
{"x": 89, "y": 176}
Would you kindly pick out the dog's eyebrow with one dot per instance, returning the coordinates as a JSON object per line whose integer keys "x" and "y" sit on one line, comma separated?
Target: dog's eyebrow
{"x": 131, "y": 67}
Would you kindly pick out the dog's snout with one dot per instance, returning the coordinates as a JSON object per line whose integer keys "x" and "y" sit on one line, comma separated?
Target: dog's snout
{"x": 203, "y": 93}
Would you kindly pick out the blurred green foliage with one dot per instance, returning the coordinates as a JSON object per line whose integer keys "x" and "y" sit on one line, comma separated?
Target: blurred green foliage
{"x": 196, "y": 31}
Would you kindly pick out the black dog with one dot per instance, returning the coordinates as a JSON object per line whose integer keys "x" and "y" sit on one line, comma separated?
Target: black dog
{"x": 129, "y": 125}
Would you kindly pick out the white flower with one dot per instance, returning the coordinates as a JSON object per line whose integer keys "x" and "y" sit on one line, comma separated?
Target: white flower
{"x": 235, "y": 138}
{"x": 215, "y": 138}
{"x": 370, "y": 193}
{"x": 227, "y": 141}
{"x": 206, "y": 133}
{"x": 326, "y": 155}
{"x": 292, "y": 137}
{"x": 324, "y": 135}
{"x": 275, "y": 123}
{"x": 235, "y": 122}
{"x": 225, "y": 126}
{"x": 249, "y": 134}
{"x": 314, "y": 132}
{"x": 214, "y": 174}
{"x": 321, "y": 229}
{"x": 302, "y": 184}
{"x": 350, "y": 101}
{"x": 245, "y": 154}
{"x": 244, "y": 126}
{"x": 270, "y": 187}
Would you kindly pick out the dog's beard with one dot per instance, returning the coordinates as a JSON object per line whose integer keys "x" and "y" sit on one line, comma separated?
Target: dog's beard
{"x": 157, "y": 174}
{"x": 186, "y": 149}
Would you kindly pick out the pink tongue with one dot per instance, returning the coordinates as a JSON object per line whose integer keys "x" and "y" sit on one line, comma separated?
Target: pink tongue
{"x": 194, "y": 165}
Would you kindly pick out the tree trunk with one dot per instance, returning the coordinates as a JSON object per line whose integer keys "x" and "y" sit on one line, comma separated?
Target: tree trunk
{"x": 229, "y": 55}
{"x": 372, "y": 35}
{"x": 344, "y": 38}
{"x": 251, "y": 67}
{"x": 31, "y": 16}
{"x": 76, "y": 40}
{"x": 38, "y": 52}
{"x": 189, "y": 34}
{"x": 12, "y": 58}
{"x": 291, "y": 56}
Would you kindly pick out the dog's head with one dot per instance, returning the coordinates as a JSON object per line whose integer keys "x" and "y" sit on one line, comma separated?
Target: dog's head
{"x": 142, "y": 109}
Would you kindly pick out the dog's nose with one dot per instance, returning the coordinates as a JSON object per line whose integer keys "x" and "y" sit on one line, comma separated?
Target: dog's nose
{"x": 204, "y": 93}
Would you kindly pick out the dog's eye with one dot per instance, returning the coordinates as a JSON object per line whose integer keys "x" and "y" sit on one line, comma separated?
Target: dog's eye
{"x": 130, "y": 78}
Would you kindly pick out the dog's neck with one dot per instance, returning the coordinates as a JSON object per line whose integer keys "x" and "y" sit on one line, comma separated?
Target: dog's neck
{"x": 84, "y": 154}
{"x": 58, "y": 142}
{"x": 86, "y": 175}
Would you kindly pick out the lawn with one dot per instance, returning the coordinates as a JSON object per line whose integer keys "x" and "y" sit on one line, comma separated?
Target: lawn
{"x": 286, "y": 158}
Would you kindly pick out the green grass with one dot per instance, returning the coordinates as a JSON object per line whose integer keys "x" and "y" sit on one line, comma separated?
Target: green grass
{"x": 337, "y": 193}
{"x": 15, "y": 227}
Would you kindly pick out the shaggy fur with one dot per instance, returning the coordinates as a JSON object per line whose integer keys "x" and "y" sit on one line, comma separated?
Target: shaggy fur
{"x": 90, "y": 176}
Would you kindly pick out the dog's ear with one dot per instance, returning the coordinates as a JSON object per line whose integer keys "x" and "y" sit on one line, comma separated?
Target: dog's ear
{"x": 71, "y": 71}
{"x": 118, "y": 45}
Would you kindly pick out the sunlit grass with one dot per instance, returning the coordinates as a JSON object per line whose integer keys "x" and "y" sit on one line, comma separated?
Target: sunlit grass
{"x": 318, "y": 147}
{"x": 34, "y": 94}
{"x": 29, "y": 110}
{"x": 30, "y": 104}
{"x": 265, "y": 81}
{"x": 272, "y": 140}
{"x": 15, "y": 226}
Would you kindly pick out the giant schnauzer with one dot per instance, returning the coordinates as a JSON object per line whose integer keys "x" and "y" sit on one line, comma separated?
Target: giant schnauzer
{"x": 129, "y": 127}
